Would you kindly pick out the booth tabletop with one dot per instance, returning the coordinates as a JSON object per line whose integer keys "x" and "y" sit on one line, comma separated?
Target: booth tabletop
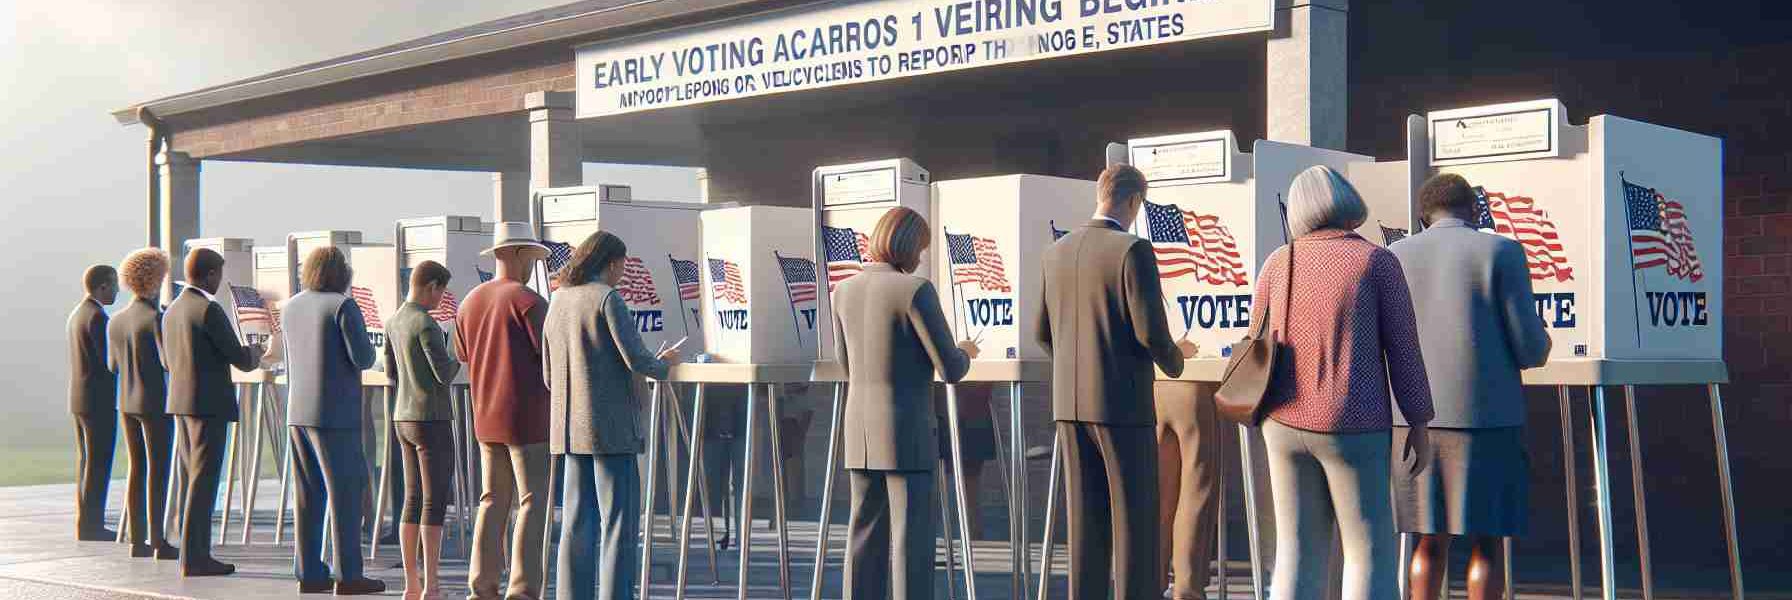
{"x": 375, "y": 379}
{"x": 739, "y": 373}
{"x": 1198, "y": 370}
{"x": 998, "y": 370}
{"x": 1628, "y": 372}
{"x": 255, "y": 376}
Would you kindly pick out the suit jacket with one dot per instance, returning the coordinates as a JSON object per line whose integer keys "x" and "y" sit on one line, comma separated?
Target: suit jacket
{"x": 420, "y": 365}
{"x": 199, "y": 348}
{"x": 1103, "y": 323}
{"x": 135, "y": 338}
{"x": 893, "y": 338}
{"x": 92, "y": 387}
{"x": 591, "y": 352}
{"x": 1478, "y": 325}
{"x": 326, "y": 349}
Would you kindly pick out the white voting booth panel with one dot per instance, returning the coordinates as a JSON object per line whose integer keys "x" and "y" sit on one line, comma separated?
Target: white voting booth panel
{"x": 1212, "y": 217}
{"x": 662, "y": 279}
{"x": 1621, "y": 222}
{"x": 759, "y": 285}
{"x": 989, "y": 235}
{"x": 375, "y": 289}
{"x": 239, "y": 270}
{"x": 454, "y": 242}
{"x": 849, "y": 200}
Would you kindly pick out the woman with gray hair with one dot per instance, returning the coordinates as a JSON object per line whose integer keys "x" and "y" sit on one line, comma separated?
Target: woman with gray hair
{"x": 1348, "y": 337}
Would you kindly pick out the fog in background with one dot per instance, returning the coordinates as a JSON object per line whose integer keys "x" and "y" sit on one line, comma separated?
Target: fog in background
{"x": 74, "y": 180}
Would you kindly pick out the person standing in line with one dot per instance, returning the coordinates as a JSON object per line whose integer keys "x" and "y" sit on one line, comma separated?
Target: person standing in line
{"x": 592, "y": 352}
{"x": 1103, "y": 324}
{"x": 1348, "y": 337}
{"x": 421, "y": 367}
{"x": 893, "y": 339}
{"x": 498, "y": 336}
{"x": 1478, "y": 329}
{"x": 136, "y": 355}
{"x": 1188, "y": 455}
{"x": 326, "y": 349}
{"x": 93, "y": 399}
{"x": 200, "y": 347}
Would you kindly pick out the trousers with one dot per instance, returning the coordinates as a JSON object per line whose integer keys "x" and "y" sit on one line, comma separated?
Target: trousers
{"x": 1322, "y": 480}
{"x": 426, "y": 449}
{"x": 1110, "y": 474}
{"x": 149, "y": 444}
{"x": 1188, "y": 455}
{"x": 599, "y": 551}
{"x": 890, "y": 551}
{"x": 512, "y": 475}
{"x": 96, "y": 434}
{"x": 327, "y": 467}
{"x": 206, "y": 440}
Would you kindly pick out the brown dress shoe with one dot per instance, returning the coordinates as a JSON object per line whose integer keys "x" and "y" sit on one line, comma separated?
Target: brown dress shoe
{"x": 167, "y": 552}
{"x": 358, "y": 587}
{"x": 208, "y": 568}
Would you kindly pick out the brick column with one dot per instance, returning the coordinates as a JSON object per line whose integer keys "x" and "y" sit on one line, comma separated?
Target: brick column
{"x": 178, "y": 213}
{"x": 510, "y": 196}
{"x": 554, "y": 146}
{"x": 1307, "y": 58}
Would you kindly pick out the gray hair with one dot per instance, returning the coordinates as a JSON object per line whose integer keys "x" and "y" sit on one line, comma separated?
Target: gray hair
{"x": 1321, "y": 198}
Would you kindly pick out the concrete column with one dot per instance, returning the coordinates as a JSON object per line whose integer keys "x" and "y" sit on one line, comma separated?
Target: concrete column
{"x": 510, "y": 196}
{"x": 178, "y": 214}
{"x": 554, "y": 146}
{"x": 1308, "y": 83}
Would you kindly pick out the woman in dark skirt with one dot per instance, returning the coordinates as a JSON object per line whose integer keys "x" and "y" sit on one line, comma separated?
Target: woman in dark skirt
{"x": 1477, "y": 329}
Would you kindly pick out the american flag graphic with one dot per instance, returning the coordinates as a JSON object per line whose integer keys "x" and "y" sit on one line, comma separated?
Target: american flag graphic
{"x": 250, "y": 308}
{"x": 1390, "y": 235}
{"x": 1518, "y": 218}
{"x": 558, "y": 255}
{"x": 1057, "y": 234}
{"x": 976, "y": 260}
{"x": 446, "y": 308}
{"x": 690, "y": 282}
{"x": 484, "y": 275}
{"x": 1659, "y": 233}
{"x": 799, "y": 277}
{"x": 846, "y": 250}
{"x": 636, "y": 286}
{"x": 724, "y": 279}
{"x": 1190, "y": 243}
{"x": 370, "y": 311}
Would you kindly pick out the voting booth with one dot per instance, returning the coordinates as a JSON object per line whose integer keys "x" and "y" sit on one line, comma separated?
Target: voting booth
{"x": 849, "y": 200}
{"x": 759, "y": 285}
{"x": 662, "y": 280}
{"x": 375, "y": 289}
{"x": 454, "y": 242}
{"x": 239, "y": 278}
{"x": 1212, "y": 215}
{"x": 1621, "y": 222}
{"x": 990, "y": 234}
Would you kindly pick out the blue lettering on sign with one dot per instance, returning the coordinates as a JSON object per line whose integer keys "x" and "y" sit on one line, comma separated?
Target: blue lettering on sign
{"x": 650, "y": 320}
{"x": 808, "y": 317}
{"x": 1556, "y": 308}
{"x": 378, "y": 339}
{"x": 1677, "y": 309}
{"x": 732, "y": 320}
{"x": 1215, "y": 311}
{"x": 991, "y": 311}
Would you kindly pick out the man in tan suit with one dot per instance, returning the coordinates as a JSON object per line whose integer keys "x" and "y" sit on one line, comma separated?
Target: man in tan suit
{"x": 1103, "y": 324}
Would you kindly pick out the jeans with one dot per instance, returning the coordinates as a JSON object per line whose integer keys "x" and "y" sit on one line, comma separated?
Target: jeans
{"x": 327, "y": 468}
{"x": 1322, "y": 478}
{"x": 599, "y": 551}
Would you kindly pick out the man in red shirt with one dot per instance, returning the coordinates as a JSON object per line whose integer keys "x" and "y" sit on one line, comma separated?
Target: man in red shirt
{"x": 498, "y": 336}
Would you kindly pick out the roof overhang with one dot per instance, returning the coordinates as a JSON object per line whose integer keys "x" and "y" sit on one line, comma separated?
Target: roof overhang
{"x": 561, "y": 23}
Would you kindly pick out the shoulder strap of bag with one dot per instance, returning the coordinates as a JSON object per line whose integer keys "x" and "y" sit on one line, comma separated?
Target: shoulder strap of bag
{"x": 1288, "y": 282}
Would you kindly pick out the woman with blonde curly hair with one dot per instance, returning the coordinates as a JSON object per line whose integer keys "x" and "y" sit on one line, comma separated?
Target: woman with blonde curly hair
{"x": 135, "y": 341}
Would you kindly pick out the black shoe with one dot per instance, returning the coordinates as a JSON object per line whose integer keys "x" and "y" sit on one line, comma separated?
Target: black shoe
{"x": 321, "y": 586}
{"x": 359, "y": 587}
{"x": 208, "y": 568}
{"x": 142, "y": 551}
{"x": 167, "y": 552}
{"x": 98, "y": 535}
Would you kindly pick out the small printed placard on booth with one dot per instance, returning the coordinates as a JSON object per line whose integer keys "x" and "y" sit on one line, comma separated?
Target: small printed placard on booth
{"x": 991, "y": 234}
{"x": 760, "y": 285}
{"x": 1499, "y": 132}
{"x": 849, "y": 200}
{"x": 1622, "y": 229}
{"x": 662, "y": 279}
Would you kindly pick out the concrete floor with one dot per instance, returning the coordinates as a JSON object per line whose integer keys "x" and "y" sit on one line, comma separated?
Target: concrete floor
{"x": 38, "y": 559}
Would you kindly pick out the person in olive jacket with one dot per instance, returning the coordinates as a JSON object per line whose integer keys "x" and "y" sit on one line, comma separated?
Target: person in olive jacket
{"x": 421, "y": 367}
{"x": 136, "y": 355}
{"x": 199, "y": 348}
{"x": 93, "y": 399}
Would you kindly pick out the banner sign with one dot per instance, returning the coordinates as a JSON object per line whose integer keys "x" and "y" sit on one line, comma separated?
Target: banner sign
{"x": 828, "y": 44}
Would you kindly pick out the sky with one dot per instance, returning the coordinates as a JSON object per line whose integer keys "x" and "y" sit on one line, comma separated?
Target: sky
{"x": 74, "y": 181}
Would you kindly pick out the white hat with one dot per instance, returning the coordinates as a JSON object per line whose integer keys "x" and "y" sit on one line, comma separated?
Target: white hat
{"x": 514, "y": 233}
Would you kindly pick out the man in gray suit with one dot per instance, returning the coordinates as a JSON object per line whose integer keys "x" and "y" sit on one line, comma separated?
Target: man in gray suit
{"x": 1103, "y": 323}
{"x": 93, "y": 399}
{"x": 200, "y": 347}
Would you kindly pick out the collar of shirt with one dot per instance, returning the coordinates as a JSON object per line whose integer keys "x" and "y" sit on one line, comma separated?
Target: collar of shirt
{"x": 1448, "y": 222}
{"x": 877, "y": 266}
{"x": 1328, "y": 234}
{"x": 203, "y": 294}
{"x": 1102, "y": 217}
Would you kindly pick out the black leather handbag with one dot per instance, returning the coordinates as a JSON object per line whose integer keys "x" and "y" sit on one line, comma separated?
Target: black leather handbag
{"x": 1252, "y": 367}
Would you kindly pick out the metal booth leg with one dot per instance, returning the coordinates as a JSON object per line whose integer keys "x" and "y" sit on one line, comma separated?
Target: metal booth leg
{"x": 653, "y": 454}
{"x": 1053, "y": 487}
{"x": 1248, "y": 465}
{"x": 386, "y": 482}
{"x": 964, "y": 515}
{"x": 1571, "y": 490}
{"x": 1404, "y": 578}
{"x": 234, "y": 431}
{"x": 774, "y": 435}
{"x": 746, "y": 491}
{"x": 1223, "y": 581}
{"x": 1723, "y": 477}
{"x": 1506, "y": 562}
{"x": 939, "y": 481}
{"x": 264, "y": 434}
{"x": 683, "y": 532}
{"x": 556, "y": 466}
{"x": 694, "y": 474}
{"x": 460, "y": 473}
{"x": 286, "y": 462}
{"x": 827, "y": 500}
{"x": 1602, "y": 488}
{"x": 1636, "y": 492}
{"x": 1017, "y": 453}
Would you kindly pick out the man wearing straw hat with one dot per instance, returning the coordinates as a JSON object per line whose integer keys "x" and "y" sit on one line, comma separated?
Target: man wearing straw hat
{"x": 498, "y": 335}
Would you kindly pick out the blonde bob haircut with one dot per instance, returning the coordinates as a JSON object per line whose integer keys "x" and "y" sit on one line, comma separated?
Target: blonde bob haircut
{"x": 1321, "y": 198}
{"x": 900, "y": 238}
{"x": 143, "y": 271}
{"x": 325, "y": 270}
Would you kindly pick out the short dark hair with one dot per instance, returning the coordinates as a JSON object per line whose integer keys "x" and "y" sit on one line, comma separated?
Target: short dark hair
{"x": 1446, "y": 193}
{"x": 202, "y": 262}
{"x": 1120, "y": 183}
{"x": 325, "y": 270}
{"x": 96, "y": 276}
{"x": 429, "y": 272}
{"x": 597, "y": 252}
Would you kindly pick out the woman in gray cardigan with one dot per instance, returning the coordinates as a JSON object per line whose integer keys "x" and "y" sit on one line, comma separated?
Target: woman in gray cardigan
{"x": 591, "y": 352}
{"x": 892, "y": 339}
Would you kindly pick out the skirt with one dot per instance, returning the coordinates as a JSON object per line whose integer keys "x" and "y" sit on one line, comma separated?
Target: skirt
{"x": 1478, "y": 483}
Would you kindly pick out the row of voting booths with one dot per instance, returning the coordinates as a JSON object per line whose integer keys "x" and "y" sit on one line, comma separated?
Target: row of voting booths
{"x": 1620, "y": 222}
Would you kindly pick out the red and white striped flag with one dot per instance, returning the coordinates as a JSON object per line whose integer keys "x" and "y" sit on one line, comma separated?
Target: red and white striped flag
{"x": 446, "y": 308}
{"x": 370, "y": 310}
{"x": 636, "y": 285}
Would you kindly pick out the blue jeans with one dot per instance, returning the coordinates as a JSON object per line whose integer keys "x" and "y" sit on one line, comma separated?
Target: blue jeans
{"x": 330, "y": 470}
{"x": 599, "y": 552}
